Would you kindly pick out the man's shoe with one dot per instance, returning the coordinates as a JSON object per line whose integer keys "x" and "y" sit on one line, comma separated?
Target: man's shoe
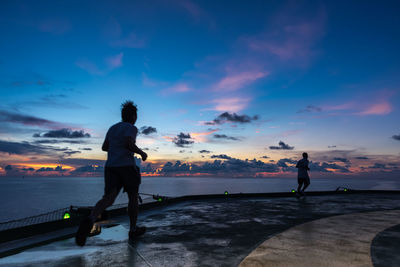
{"x": 83, "y": 231}
{"x": 138, "y": 232}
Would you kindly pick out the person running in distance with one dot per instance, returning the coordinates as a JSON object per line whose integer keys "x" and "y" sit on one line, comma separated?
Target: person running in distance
{"x": 120, "y": 172}
{"x": 302, "y": 174}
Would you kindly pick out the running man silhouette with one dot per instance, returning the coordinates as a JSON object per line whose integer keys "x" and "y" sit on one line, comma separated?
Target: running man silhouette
{"x": 120, "y": 172}
{"x": 302, "y": 174}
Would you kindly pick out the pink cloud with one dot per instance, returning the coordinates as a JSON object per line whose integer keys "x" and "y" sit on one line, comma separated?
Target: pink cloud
{"x": 290, "y": 38}
{"x": 115, "y": 61}
{"x": 202, "y": 136}
{"x": 232, "y": 104}
{"x": 234, "y": 82}
{"x": 89, "y": 67}
{"x": 381, "y": 108}
{"x": 112, "y": 62}
{"x": 177, "y": 88}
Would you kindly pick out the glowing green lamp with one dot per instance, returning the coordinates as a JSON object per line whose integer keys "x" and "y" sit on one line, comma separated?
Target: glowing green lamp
{"x": 66, "y": 215}
{"x": 226, "y": 193}
{"x": 159, "y": 199}
{"x": 293, "y": 191}
{"x": 345, "y": 189}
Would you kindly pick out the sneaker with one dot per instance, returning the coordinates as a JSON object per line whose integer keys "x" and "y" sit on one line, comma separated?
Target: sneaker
{"x": 83, "y": 231}
{"x": 138, "y": 232}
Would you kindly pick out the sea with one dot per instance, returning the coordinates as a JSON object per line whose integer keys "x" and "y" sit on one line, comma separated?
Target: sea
{"x": 24, "y": 197}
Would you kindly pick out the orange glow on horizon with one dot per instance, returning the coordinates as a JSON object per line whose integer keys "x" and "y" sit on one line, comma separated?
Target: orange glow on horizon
{"x": 44, "y": 165}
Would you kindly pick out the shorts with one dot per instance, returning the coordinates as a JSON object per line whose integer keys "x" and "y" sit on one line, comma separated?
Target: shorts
{"x": 127, "y": 177}
{"x": 305, "y": 180}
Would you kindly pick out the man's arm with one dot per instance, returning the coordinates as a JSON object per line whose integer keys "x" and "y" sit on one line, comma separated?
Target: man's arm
{"x": 133, "y": 148}
{"x": 105, "y": 145}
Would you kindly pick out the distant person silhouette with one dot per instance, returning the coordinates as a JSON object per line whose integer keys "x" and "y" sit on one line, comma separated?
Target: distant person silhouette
{"x": 302, "y": 175}
{"x": 120, "y": 172}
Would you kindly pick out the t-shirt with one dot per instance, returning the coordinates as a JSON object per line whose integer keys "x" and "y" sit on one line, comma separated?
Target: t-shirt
{"x": 302, "y": 166}
{"x": 117, "y": 136}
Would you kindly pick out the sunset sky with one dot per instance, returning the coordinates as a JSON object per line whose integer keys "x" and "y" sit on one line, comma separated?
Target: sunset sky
{"x": 223, "y": 88}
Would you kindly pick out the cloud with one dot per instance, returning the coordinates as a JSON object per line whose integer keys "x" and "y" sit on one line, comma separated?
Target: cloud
{"x": 331, "y": 146}
{"x": 69, "y": 153}
{"x": 231, "y": 167}
{"x": 231, "y": 104}
{"x": 233, "y": 82}
{"x": 222, "y": 156}
{"x": 63, "y": 133}
{"x": 111, "y": 63}
{"x": 25, "y": 148}
{"x": 114, "y": 62}
{"x": 13, "y": 117}
{"x": 228, "y": 117}
{"x": 224, "y": 136}
{"x": 327, "y": 167}
{"x": 291, "y": 38}
{"x": 89, "y": 66}
{"x": 361, "y": 157}
{"x": 177, "y": 88}
{"x": 396, "y": 137}
{"x": 378, "y": 166}
{"x": 203, "y": 151}
{"x": 264, "y": 157}
{"x": 49, "y": 169}
{"x": 309, "y": 109}
{"x": 93, "y": 168}
{"x": 283, "y": 162}
{"x": 282, "y": 146}
{"x": 381, "y": 108}
{"x": 182, "y": 140}
{"x": 146, "y": 130}
{"x": 344, "y": 160}
{"x": 55, "y": 141}
{"x": 130, "y": 41}
{"x": 85, "y": 148}
{"x": 52, "y": 101}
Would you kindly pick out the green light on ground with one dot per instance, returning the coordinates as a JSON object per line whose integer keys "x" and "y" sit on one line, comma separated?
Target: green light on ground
{"x": 293, "y": 191}
{"x": 226, "y": 193}
{"x": 345, "y": 190}
{"x": 159, "y": 199}
{"x": 66, "y": 216}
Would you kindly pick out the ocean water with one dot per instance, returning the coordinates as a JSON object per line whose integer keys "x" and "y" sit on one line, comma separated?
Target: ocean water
{"x": 23, "y": 197}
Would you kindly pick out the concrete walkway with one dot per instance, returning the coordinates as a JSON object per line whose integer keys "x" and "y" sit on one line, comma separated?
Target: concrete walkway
{"x": 343, "y": 240}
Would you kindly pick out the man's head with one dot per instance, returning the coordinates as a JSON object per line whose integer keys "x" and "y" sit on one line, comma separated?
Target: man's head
{"x": 129, "y": 112}
{"x": 305, "y": 155}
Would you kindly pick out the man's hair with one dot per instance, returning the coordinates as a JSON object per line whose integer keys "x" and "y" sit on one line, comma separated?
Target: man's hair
{"x": 305, "y": 155}
{"x": 128, "y": 111}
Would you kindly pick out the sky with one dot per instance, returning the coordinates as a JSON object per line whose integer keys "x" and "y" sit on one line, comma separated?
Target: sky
{"x": 223, "y": 88}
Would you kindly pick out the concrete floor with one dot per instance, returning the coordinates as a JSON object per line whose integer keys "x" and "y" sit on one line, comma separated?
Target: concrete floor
{"x": 220, "y": 232}
{"x": 343, "y": 240}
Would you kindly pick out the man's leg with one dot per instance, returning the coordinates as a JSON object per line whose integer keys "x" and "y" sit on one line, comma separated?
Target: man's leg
{"x": 300, "y": 181}
{"x": 107, "y": 200}
{"x": 133, "y": 208}
{"x": 112, "y": 188}
{"x": 306, "y": 183}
